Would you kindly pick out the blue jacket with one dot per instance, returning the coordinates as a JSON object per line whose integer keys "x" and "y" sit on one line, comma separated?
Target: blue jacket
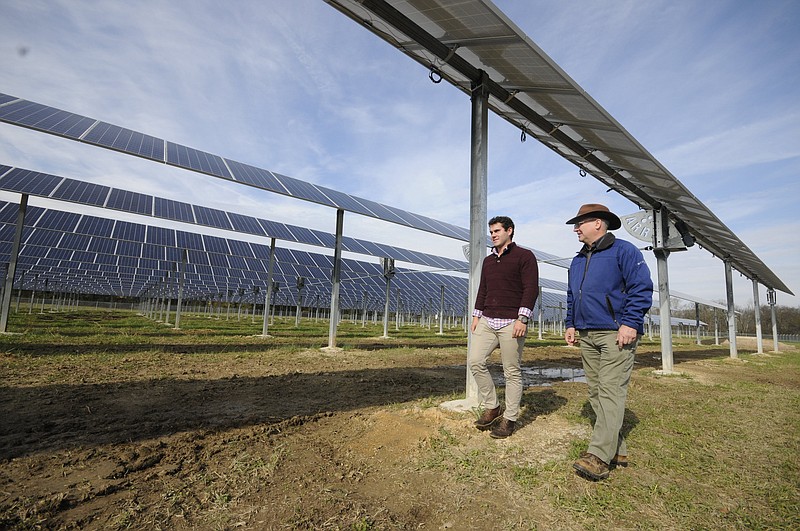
{"x": 608, "y": 287}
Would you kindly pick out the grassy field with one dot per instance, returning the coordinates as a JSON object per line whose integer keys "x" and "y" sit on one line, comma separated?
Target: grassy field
{"x": 114, "y": 421}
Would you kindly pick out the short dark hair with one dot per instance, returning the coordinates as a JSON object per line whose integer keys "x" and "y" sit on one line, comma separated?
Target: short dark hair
{"x": 505, "y": 221}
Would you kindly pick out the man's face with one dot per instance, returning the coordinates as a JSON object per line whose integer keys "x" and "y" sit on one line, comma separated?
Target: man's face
{"x": 500, "y": 236}
{"x": 588, "y": 230}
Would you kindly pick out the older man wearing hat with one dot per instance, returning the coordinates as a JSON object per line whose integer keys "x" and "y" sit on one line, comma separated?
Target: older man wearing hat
{"x": 608, "y": 294}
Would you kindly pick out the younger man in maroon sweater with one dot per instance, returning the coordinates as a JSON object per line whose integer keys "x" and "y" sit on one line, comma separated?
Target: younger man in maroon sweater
{"x": 506, "y": 297}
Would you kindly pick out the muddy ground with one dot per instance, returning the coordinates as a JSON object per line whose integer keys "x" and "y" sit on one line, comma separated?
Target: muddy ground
{"x": 254, "y": 439}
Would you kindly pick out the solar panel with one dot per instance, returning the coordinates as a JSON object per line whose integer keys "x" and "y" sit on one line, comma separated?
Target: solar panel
{"x": 53, "y": 219}
{"x": 29, "y": 182}
{"x": 246, "y": 224}
{"x": 189, "y": 240}
{"x": 125, "y": 140}
{"x": 303, "y": 190}
{"x": 211, "y": 217}
{"x": 95, "y": 226}
{"x": 75, "y": 241}
{"x": 257, "y": 177}
{"x": 304, "y": 235}
{"x": 214, "y": 244}
{"x": 193, "y": 159}
{"x": 125, "y": 230}
{"x": 44, "y": 118}
{"x": 160, "y": 236}
{"x": 129, "y": 248}
{"x": 5, "y": 98}
{"x": 274, "y": 229}
{"x": 81, "y": 192}
{"x": 240, "y": 248}
{"x": 174, "y": 210}
{"x": 103, "y": 245}
{"x": 130, "y": 202}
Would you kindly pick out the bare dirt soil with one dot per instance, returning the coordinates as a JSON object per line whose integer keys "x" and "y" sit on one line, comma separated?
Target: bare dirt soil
{"x": 173, "y": 439}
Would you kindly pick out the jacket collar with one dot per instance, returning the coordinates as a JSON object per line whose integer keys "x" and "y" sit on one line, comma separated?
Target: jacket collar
{"x": 603, "y": 243}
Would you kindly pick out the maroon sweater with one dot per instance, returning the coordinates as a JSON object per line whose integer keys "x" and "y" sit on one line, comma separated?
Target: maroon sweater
{"x": 508, "y": 282}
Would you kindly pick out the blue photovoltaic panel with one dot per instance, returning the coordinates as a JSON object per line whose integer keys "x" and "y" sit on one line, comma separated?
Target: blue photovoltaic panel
{"x": 303, "y": 190}
{"x": 346, "y": 202}
{"x": 150, "y": 267}
{"x": 274, "y": 229}
{"x": 353, "y": 245}
{"x": 130, "y": 202}
{"x": 246, "y": 224}
{"x": 237, "y": 262}
{"x": 59, "y": 254}
{"x": 77, "y": 242}
{"x": 198, "y": 257}
{"x": 44, "y": 238}
{"x": 253, "y": 264}
{"x": 211, "y": 217}
{"x": 218, "y": 260}
{"x": 127, "y": 141}
{"x": 82, "y": 257}
{"x": 29, "y": 182}
{"x": 44, "y": 118}
{"x": 215, "y": 244}
{"x": 257, "y": 177}
{"x": 4, "y": 169}
{"x": 128, "y": 248}
{"x": 189, "y": 240}
{"x": 193, "y": 159}
{"x": 328, "y": 240}
{"x": 160, "y": 236}
{"x": 174, "y": 210}
{"x": 5, "y": 98}
{"x": 262, "y": 251}
{"x": 240, "y": 248}
{"x": 383, "y": 212}
{"x": 63, "y": 221}
{"x": 95, "y": 226}
{"x": 153, "y": 252}
{"x": 304, "y": 235}
{"x": 125, "y": 230}
{"x": 174, "y": 254}
{"x": 103, "y": 245}
{"x": 82, "y": 192}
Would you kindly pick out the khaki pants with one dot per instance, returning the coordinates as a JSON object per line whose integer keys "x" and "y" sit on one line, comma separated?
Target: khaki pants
{"x": 608, "y": 372}
{"x": 484, "y": 341}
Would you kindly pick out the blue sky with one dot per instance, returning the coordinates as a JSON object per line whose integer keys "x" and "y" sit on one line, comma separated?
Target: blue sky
{"x": 709, "y": 88}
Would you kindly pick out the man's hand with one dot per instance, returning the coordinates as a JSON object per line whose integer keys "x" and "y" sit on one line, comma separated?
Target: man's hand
{"x": 625, "y": 335}
{"x": 475, "y": 321}
{"x": 520, "y": 329}
{"x": 569, "y": 337}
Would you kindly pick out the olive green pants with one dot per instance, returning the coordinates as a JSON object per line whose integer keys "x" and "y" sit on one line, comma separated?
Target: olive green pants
{"x": 608, "y": 372}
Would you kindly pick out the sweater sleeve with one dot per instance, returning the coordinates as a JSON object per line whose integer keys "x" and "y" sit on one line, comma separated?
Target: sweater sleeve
{"x": 530, "y": 281}
{"x": 480, "y": 299}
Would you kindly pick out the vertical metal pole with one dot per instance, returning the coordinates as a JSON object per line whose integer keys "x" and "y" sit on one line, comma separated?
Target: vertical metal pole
{"x": 336, "y": 280}
{"x": 772, "y": 300}
{"x": 441, "y": 312}
{"x": 386, "y": 308}
{"x": 268, "y": 295}
{"x": 731, "y": 309}
{"x": 757, "y": 310}
{"x": 181, "y": 275}
{"x": 12, "y": 263}
{"x": 664, "y": 313}
{"x": 19, "y": 291}
{"x": 479, "y": 137}
{"x": 697, "y": 321}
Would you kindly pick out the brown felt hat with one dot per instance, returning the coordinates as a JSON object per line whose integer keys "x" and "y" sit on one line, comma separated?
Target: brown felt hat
{"x": 594, "y": 210}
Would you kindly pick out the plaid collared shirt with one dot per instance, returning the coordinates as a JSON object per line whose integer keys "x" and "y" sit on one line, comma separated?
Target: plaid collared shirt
{"x": 496, "y": 323}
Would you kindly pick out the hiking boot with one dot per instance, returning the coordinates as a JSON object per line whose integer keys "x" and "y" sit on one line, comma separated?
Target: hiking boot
{"x": 503, "y": 430}
{"x": 488, "y": 418}
{"x": 591, "y": 467}
{"x": 620, "y": 460}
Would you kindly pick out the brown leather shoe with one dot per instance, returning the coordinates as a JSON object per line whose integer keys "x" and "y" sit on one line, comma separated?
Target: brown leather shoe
{"x": 504, "y": 429}
{"x": 591, "y": 467}
{"x": 488, "y": 418}
{"x": 620, "y": 460}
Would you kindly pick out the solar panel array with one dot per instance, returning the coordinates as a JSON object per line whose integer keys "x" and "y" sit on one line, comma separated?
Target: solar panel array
{"x": 92, "y": 255}
{"x": 464, "y": 39}
{"x": 62, "y": 123}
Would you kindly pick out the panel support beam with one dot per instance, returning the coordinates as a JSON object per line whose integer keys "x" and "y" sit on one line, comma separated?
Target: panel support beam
{"x": 12, "y": 264}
